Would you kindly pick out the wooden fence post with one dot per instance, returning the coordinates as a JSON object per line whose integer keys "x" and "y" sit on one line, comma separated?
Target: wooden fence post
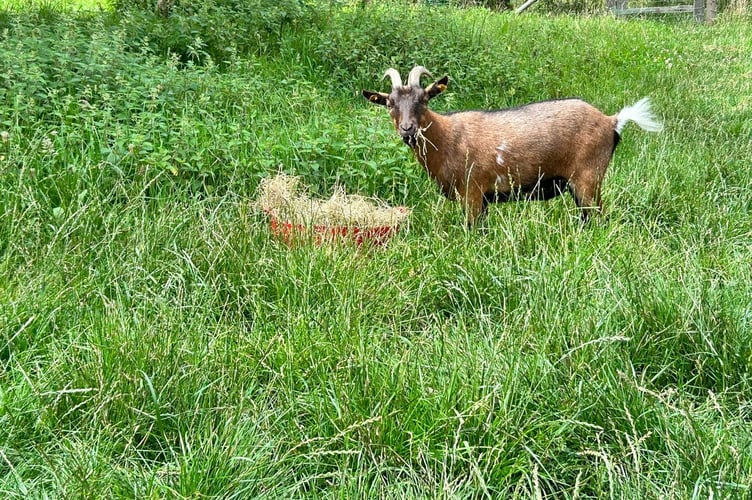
{"x": 699, "y": 11}
{"x": 616, "y": 4}
{"x": 711, "y": 9}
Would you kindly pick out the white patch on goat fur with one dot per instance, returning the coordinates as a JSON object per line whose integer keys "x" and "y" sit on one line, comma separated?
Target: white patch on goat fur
{"x": 501, "y": 149}
{"x": 501, "y": 180}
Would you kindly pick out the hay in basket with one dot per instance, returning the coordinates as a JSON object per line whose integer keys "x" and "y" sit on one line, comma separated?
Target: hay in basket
{"x": 294, "y": 214}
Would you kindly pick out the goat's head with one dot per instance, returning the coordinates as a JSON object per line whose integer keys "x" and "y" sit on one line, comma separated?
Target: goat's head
{"x": 407, "y": 104}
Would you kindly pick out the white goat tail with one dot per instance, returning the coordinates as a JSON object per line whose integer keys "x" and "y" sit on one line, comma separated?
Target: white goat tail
{"x": 641, "y": 114}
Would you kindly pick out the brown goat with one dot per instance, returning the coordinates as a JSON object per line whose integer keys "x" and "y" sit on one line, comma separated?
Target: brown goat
{"x": 532, "y": 152}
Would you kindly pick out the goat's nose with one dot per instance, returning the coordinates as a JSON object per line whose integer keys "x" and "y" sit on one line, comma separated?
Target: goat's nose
{"x": 407, "y": 128}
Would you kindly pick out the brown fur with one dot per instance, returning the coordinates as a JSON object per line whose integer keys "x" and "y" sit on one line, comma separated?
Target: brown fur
{"x": 545, "y": 148}
{"x": 537, "y": 144}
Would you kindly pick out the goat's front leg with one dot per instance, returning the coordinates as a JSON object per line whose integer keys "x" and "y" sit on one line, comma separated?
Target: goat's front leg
{"x": 475, "y": 206}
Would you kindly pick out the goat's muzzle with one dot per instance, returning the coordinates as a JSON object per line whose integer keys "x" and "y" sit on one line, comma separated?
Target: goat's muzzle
{"x": 409, "y": 134}
{"x": 410, "y": 139}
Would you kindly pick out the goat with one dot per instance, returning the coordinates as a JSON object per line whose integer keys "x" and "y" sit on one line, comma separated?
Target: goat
{"x": 532, "y": 152}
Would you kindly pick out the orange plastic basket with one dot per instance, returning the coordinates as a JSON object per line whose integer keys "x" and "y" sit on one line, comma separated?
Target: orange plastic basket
{"x": 290, "y": 232}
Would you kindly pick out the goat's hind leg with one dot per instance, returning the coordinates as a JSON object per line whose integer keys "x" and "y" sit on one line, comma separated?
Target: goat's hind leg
{"x": 586, "y": 191}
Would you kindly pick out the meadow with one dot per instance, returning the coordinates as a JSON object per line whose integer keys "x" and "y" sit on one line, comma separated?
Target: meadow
{"x": 157, "y": 342}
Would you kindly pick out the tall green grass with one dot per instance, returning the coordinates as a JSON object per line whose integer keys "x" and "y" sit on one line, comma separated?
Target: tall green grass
{"x": 156, "y": 341}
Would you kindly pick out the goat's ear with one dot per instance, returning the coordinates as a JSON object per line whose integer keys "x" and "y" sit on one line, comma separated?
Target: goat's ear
{"x": 437, "y": 87}
{"x": 376, "y": 97}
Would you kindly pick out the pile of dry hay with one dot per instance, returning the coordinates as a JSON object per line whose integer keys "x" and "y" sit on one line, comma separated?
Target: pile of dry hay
{"x": 283, "y": 197}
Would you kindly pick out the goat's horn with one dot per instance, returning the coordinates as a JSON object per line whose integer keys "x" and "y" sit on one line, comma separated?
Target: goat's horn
{"x": 395, "y": 76}
{"x": 413, "y": 80}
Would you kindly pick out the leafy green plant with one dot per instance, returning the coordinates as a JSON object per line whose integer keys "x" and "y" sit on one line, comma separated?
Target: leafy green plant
{"x": 192, "y": 32}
